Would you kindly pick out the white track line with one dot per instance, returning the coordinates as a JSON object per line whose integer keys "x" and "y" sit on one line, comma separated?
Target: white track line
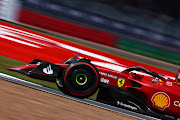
{"x": 85, "y": 101}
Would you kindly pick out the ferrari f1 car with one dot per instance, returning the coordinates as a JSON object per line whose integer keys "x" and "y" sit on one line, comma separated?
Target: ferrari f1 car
{"x": 135, "y": 88}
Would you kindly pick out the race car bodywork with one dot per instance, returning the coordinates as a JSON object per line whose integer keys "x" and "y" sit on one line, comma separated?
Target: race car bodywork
{"x": 135, "y": 88}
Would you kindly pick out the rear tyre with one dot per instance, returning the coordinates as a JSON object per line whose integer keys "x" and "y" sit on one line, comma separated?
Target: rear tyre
{"x": 80, "y": 79}
{"x": 60, "y": 86}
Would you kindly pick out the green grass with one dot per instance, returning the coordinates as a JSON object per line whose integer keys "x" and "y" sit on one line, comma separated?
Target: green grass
{"x": 6, "y": 63}
{"x": 148, "y": 50}
{"x": 10, "y": 63}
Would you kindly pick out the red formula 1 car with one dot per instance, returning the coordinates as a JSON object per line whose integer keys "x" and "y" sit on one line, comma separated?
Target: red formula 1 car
{"x": 135, "y": 88}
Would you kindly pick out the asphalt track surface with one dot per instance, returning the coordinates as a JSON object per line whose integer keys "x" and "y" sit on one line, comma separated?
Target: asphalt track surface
{"x": 18, "y": 102}
{"x": 85, "y": 101}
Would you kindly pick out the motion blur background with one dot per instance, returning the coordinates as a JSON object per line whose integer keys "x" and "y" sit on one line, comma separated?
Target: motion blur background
{"x": 146, "y": 27}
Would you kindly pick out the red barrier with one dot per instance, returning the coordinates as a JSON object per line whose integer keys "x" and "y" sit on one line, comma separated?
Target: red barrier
{"x": 66, "y": 28}
{"x": 56, "y": 53}
{"x": 24, "y": 45}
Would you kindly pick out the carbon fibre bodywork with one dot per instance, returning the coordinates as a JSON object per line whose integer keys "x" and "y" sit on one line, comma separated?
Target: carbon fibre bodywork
{"x": 120, "y": 98}
{"x": 135, "y": 88}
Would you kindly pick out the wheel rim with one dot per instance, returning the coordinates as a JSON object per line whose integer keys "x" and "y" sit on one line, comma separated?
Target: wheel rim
{"x": 81, "y": 79}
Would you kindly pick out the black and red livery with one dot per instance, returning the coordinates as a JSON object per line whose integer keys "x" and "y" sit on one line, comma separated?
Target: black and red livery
{"x": 136, "y": 88}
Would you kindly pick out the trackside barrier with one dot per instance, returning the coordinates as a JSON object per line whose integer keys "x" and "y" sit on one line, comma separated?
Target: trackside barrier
{"x": 75, "y": 30}
{"x": 64, "y": 27}
{"x": 148, "y": 50}
{"x": 9, "y": 9}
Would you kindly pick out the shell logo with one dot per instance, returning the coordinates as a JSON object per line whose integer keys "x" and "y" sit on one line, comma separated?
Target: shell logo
{"x": 160, "y": 100}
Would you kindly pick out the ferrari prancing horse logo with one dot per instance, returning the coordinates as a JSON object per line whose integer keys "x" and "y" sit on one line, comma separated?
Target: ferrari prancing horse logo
{"x": 121, "y": 82}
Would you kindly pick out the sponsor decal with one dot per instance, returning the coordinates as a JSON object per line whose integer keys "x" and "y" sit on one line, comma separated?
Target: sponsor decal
{"x": 103, "y": 80}
{"x": 108, "y": 75}
{"x": 121, "y": 82}
{"x": 103, "y": 73}
{"x": 126, "y": 106}
{"x": 171, "y": 117}
{"x": 177, "y": 103}
{"x": 160, "y": 100}
{"x": 112, "y": 76}
{"x": 48, "y": 70}
{"x": 169, "y": 83}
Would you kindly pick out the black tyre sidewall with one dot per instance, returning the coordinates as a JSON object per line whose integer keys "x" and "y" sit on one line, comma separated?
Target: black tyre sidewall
{"x": 83, "y": 67}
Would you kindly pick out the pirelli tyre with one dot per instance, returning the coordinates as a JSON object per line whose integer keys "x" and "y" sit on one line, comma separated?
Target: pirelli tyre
{"x": 80, "y": 79}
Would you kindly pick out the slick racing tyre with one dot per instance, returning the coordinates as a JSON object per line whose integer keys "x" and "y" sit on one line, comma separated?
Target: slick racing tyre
{"x": 80, "y": 79}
